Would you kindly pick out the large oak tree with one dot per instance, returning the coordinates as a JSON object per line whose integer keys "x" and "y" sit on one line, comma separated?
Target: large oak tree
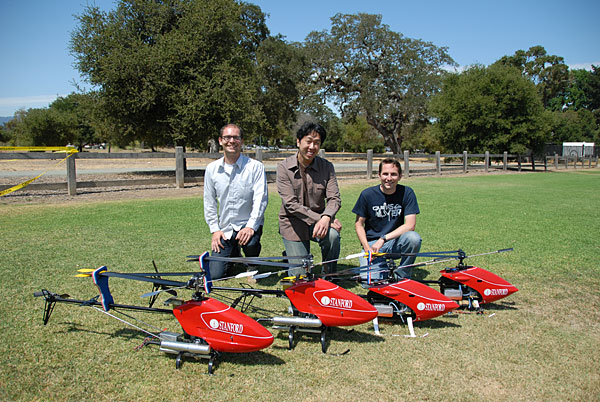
{"x": 175, "y": 71}
{"x": 548, "y": 72}
{"x": 365, "y": 68}
{"x": 492, "y": 109}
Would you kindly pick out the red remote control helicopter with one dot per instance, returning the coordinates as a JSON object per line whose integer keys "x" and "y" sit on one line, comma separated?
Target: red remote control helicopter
{"x": 470, "y": 286}
{"x": 316, "y": 304}
{"x": 405, "y": 299}
{"x": 209, "y": 326}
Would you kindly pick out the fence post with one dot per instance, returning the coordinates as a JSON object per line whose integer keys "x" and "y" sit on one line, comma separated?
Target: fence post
{"x": 532, "y": 162}
{"x": 322, "y": 153}
{"x": 487, "y": 160}
{"x": 555, "y": 161}
{"x": 369, "y": 164}
{"x": 590, "y": 162}
{"x": 71, "y": 175}
{"x": 519, "y": 161}
{"x": 258, "y": 154}
{"x": 179, "y": 170}
{"x": 505, "y": 161}
{"x": 406, "y": 164}
{"x": 438, "y": 164}
{"x": 465, "y": 164}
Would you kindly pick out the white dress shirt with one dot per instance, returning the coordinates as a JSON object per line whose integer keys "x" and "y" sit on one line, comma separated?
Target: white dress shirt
{"x": 239, "y": 193}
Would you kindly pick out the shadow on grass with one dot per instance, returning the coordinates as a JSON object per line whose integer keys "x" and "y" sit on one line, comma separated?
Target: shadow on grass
{"x": 419, "y": 274}
{"x": 334, "y": 334}
{"x": 254, "y": 359}
{"x": 444, "y": 322}
{"x": 500, "y": 306}
{"x": 126, "y": 333}
{"x": 438, "y": 324}
{"x": 259, "y": 358}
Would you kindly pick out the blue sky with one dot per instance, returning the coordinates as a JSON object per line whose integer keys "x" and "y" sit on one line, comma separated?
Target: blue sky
{"x": 36, "y": 66}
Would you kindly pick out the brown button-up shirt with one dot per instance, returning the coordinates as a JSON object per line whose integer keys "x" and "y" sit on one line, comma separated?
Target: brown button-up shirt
{"x": 295, "y": 218}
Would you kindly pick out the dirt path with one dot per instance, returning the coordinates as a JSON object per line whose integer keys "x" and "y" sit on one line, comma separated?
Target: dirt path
{"x": 19, "y": 171}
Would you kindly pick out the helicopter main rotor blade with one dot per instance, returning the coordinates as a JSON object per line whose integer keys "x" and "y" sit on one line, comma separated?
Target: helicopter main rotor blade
{"x": 240, "y": 275}
{"x": 142, "y": 278}
{"x": 261, "y": 261}
{"x": 389, "y": 255}
{"x": 156, "y": 292}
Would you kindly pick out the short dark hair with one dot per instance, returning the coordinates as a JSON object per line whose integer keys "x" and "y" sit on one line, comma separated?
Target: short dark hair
{"x": 231, "y": 125}
{"x": 308, "y": 127}
{"x": 390, "y": 161}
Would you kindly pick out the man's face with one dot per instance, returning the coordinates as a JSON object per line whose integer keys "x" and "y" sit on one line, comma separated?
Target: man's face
{"x": 308, "y": 147}
{"x": 231, "y": 141}
{"x": 389, "y": 177}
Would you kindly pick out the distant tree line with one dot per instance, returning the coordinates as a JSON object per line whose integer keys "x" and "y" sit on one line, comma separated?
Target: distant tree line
{"x": 174, "y": 72}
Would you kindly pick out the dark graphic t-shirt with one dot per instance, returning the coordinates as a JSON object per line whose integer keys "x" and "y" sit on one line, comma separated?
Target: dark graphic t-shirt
{"x": 383, "y": 212}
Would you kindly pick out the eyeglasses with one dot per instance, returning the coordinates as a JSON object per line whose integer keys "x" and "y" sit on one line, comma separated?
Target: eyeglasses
{"x": 228, "y": 138}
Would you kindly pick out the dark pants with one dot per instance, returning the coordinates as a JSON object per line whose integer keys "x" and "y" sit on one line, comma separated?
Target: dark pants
{"x": 231, "y": 248}
{"x": 330, "y": 250}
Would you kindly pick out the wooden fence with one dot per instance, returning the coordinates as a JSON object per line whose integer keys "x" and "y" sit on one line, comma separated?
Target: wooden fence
{"x": 413, "y": 164}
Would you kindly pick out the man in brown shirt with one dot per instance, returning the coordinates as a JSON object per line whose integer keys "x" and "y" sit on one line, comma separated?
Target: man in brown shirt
{"x": 310, "y": 198}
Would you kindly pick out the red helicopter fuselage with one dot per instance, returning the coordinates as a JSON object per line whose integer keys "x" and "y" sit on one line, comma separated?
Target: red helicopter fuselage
{"x": 225, "y": 329}
{"x": 333, "y": 305}
{"x": 425, "y": 302}
{"x": 489, "y": 286}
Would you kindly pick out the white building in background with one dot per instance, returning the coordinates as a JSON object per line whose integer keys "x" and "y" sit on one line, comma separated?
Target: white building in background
{"x": 578, "y": 149}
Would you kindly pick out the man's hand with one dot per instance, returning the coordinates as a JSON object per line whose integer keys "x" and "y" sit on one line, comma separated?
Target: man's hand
{"x": 321, "y": 227}
{"x": 375, "y": 247}
{"x": 244, "y": 236}
{"x": 337, "y": 225}
{"x": 216, "y": 244}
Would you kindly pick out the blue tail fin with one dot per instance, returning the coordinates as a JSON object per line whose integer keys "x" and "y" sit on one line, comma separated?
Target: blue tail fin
{"x": 101, "y": 282}
{"x": 205, "y": 266}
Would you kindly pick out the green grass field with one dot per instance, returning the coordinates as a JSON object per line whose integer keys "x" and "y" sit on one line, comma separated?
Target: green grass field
{"x": 540, "y": 344}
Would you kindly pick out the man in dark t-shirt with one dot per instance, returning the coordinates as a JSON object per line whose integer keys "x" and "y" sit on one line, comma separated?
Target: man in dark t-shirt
{"x": 386, "y": 216}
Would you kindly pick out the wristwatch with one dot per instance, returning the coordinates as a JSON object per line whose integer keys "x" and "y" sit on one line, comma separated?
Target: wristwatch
{"x": 383, "y": 238}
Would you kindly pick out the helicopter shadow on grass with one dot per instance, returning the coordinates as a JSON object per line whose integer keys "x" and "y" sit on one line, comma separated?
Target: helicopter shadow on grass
{"x": 500, "y": 306}
{"x": 334, "y": 336}
{"x": 253, "y": 359}
{"x": 419, "y": 274}
{"x": 126, "y": 333}
{"x": 436, "y": 324}
{"x": 258, "y": 358}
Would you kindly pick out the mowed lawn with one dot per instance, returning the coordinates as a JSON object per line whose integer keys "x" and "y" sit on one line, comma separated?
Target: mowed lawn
{"x": 542, "y": 343}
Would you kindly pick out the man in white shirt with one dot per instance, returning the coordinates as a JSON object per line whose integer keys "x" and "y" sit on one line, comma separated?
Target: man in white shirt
{"x": 235, "y": 199}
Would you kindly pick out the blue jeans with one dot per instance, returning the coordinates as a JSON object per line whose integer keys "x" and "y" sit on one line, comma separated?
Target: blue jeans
{"x": 409, "y": 242}
{"x": 330, "y": 250}
{"x": 231, "y": 248}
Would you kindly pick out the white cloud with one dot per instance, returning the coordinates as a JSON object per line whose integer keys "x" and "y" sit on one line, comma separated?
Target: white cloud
{"x": 8, "y": 106}
{"x": 584, "y": 66}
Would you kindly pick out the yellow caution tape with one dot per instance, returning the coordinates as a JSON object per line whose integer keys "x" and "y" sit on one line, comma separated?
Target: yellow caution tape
{"x": 33, "y": 149}
{"x": 70, "y": 151}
